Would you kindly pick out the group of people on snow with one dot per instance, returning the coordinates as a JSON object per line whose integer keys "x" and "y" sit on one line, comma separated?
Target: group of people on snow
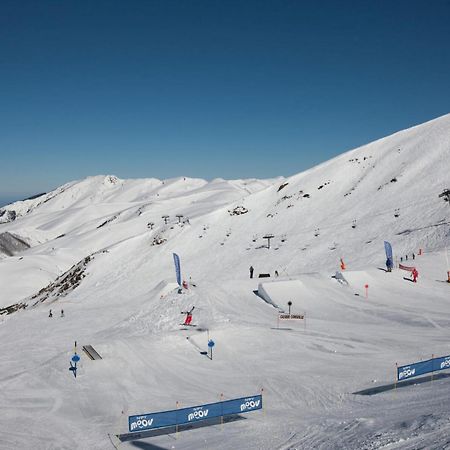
{"x": 50, "y": 314}
{"x": 251, "y": 270}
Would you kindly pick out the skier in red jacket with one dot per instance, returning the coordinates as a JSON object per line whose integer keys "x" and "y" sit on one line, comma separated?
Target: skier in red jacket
{"x": 188, "y": 319}
{"x": 415, "y": 274}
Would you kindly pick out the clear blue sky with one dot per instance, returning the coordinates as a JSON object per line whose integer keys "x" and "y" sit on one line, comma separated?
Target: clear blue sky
{"x": 209, "y": 88}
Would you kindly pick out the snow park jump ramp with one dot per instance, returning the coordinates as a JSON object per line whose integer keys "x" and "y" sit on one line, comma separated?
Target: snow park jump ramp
{"x": 320, "y": 297}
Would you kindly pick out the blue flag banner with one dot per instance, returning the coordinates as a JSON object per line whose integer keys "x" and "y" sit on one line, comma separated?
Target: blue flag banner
{"x": 193, "y": 414}
{"x": 176, "y": 260}
{"x": 388, "y": 250}
{"x": 423, "y": 367}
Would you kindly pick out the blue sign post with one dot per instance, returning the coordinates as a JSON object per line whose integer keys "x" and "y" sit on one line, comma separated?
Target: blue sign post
{"x": 211, "y": 344}
{"x": 74, "y": 360}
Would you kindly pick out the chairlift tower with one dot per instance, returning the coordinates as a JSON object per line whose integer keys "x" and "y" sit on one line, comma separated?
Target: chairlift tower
{"x": 180, "y": 216}
{"x": 166, "y": 218}
{"x": 268, "y": 237}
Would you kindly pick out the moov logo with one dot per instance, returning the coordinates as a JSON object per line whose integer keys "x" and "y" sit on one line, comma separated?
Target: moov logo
{"x": 406, "y": 373}
{"x": 141, "y": 423}
{"x": 250, "y": 404}
{"x": 198, "y": 413}
{"x": 445, "y": 364}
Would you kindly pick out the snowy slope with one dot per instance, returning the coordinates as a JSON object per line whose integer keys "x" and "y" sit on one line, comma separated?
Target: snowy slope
{"x": 101, "y": 250}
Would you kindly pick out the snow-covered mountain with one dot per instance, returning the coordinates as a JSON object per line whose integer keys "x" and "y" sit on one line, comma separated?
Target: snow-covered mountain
{"x": 101, "y": 249}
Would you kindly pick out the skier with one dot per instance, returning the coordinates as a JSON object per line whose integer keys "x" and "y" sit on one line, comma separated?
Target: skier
{"x": 50, "y": 314}
{"x": 188, "y": 319}
{"x": 251, "y": 271}
{"x": 62, "y": 313}
{"x": 415, "y": 274}
{"x": 414, "y": 256}
{"x": 389, "y": 265}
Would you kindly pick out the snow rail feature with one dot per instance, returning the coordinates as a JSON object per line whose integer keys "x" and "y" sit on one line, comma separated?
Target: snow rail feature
{"x": 91, "y": 352}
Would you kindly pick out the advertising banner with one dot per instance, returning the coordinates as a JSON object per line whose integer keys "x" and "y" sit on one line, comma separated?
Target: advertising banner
{"x": 441, "y": 363}
{"x": 414, "y": 370}
{"x": 193, "y": 414}
{"x": 242, "y": 405}
{"x": 388, "y": 250}
{"x": 152, "y": 420}
{"x": 176, "y": 260}
{"x": 423, "y": 367}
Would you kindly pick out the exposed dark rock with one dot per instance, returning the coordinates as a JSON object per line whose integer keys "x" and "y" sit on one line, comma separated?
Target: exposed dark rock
{"x": 11, "y": 244}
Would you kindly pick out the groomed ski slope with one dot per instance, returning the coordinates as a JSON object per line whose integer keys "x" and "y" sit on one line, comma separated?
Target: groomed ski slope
{"x": 309, "y": 375}
{"x": 101, "y": 250}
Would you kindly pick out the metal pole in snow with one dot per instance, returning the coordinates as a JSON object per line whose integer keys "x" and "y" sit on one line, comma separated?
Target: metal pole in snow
{"x": 176, "y": 426}
{"x": 221, "y": 417}
{"x": 396, "y": 375}
{"x": 432, "y": 367}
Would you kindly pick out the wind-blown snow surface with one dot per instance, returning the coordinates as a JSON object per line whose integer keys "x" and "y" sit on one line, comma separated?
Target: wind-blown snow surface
{"x": 101, "y": 251}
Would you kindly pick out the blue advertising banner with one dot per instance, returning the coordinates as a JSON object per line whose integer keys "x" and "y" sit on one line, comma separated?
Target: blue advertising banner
{"x": 176, "y": 260}
{"x": 420, "y": 368}
{"x": 241, "y": 405}
{"x": 152, "y": 420}
{"x": 441, "y": 363}
{"x": 193, "y": 414}
{"x": 414, "y": 370}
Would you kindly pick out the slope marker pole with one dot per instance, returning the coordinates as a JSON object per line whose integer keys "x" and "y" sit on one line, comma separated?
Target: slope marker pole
{"x": 176, "y": 426}
{"x": 221, "y": 417}
{"x": 432, "y": 368}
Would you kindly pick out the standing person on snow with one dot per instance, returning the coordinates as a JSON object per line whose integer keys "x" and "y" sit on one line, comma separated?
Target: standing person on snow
{"x": 50, "y": 314}
{"x": 251, "y": 271}
{"x": 415, "y": 274}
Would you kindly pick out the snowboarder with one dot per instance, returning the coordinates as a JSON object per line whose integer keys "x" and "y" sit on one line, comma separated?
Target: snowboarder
{"x": 415, "y": 274}
{"x": 251, "y": 271}
{"x": 188, "y": 319}
{"x": 50, "y": 314}
{"x": 389, "y": 265}
{"x": 62, "y": 313}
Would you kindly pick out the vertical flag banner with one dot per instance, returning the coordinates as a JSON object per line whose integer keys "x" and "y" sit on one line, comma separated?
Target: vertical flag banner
{"x": 388, "y": 250}
{"x": 176, "y": 260}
